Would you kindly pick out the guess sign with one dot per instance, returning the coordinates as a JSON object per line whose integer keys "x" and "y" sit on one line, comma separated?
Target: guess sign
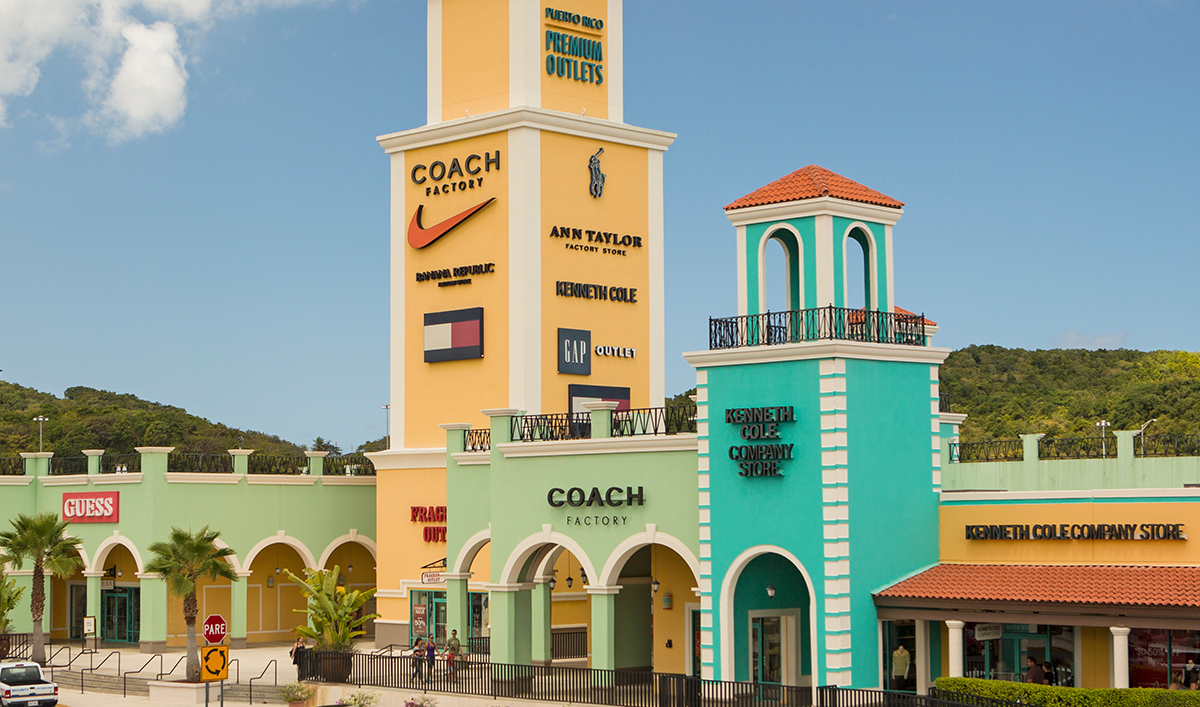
{"x": 92, "y": 507}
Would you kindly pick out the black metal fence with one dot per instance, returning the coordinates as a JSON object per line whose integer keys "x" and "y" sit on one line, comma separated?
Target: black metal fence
{"x": 850, "y": 697}
{"x": 479, "y": 440}
{"x": 65, "y": 466}
{"x": 15, "y": 646}
{"x": 266, "y": 464}
{"x": 348, "y": 465}
{"x": 795, "y": 326}
{"x": 200, "y": 463}
{"x": 12, "y": 466}
{"x": 999, "y": 450}
{"x": 943, "y": 402}
{"x": 568, "y": 644}
{"x": 614, "y": 688}
{"x": 552, "y": 428}
{"x": 479, "y": 645}
{"x": 1077, "y": 447}
{"x": 121, "y": 463}
{"x": 1167, "y": 446}
{"x": 653, "y": 421}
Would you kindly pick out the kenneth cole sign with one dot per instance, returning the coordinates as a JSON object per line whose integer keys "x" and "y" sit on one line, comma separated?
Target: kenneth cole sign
{"x": 756, "y": 424}
{"x": 92, "y": 507}
{"x": 1078, "y": 531}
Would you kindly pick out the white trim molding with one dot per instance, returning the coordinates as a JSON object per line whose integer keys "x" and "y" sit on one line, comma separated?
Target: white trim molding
{"x": 466, "y": 555}
{"x": 808, "y": 350}
{"x": 391, "y": 459}
{"x": 827, "y": 205}
{"x": 533, "y": 543}
{"x": 284, "y": 539}
{"x": 650, "y": 536}
{"x": 352, "y": 537}
{"x": 106, "y": 546}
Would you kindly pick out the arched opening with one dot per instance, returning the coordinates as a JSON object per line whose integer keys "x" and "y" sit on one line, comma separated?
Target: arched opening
{"x": 657, "y": 612}
{"x": 858, "y": 275}
{"x": 570, "y": 608}
{"x": 780, "y": 276}
{"x": 356, "y": 570}
{"x": 271, "y": 598}
{"x": 68, "y": 605}
{"x": 120, "y": 619}
{"x": 771, "y": 625}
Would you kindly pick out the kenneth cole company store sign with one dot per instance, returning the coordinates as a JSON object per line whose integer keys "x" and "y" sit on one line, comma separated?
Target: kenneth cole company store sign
{"x": 755, "y": 424}
{"x": 1078, "y": 531}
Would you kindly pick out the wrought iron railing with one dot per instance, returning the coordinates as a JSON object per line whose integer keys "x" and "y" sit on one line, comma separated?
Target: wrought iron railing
{"x": 120, "y": 463}
{"x": 653, "y": 421}
{"x": 552, "y": 428}
{"x": 943, "y": 402}
{"x": 200, "y": 463}
{"x": 15, "y": 646}
{"x": 348, "y": 465}
{"x": 614, "y": 688}
{"x": 12, "y": 466}
{"x": 998, "y": 450}
{"x": 1167, "y": 446}
{"x": 1077, "y": 447}
{"x": 267, "y": 464}
{"x": 852, "y": 697}
{"x": 64, "y": 466}
{"x": 568, "y": 644}
{"x": 799, "y": 325}
{"x": 479, "y": 645}
{"x": 478, "y": 440}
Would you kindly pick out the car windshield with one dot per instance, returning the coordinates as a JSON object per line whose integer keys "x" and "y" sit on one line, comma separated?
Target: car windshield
{"x": 20, "y": 675}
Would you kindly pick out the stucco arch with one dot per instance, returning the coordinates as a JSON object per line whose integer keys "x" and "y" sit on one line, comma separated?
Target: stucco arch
{"x": 305, "y": 554}
{"x": 530, "y": 545}
{"x": 466, "y": 556}
{"x": 633, "y": 543}
{"x": 729, "y": 583}
{"x": 871, "y": 299}
{"x": 107, "y": 545}
{"x": 348, "y": 538}
{"x": 795, "y": 261}
{"x": 545, "y": 568}
{"x": 231, "y": 559}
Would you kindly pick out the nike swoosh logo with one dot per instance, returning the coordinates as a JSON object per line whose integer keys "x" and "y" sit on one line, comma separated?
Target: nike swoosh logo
{"x": 419, "y": 237}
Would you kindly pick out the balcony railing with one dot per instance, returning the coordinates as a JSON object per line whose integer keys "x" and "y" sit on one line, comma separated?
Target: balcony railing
{"x": 1167, "y": 446}
{"x": 12, "y": 466}
{"x": 64, "y": 466}
{"x": 349, "y": 465}
{"x": 200, "y": 463}
{"x": 120, "y": 463}
{"x": 479, "y": 440}
{"x": 1077, "y": 447}
{"x": 774, "y": 328}
{"x": 552, "y": 428}
{"x": 999, "y": 450}
{"x": 569, "y": 644}
{"x": 653, "y": 421}
{"x": 266, "y": 464}
{"x": 943, "y": 402}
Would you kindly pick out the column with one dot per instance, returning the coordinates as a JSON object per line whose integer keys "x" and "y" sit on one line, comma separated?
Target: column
{"x": 956, "y": 648}
{"x": 604, "y": 622}
{"x": 922, "y": 657}
{"x": 93, "y": 603}
{"x": 237, "y": 610}
{"x": 601, "y": 413}
{"x": 154, "y": 612}
{"x": 93, "y": 460}
{"x": 1029, "y": 465}
{"x": 458, "y": 605}
{"x": 241, "y": 461}
{"x": 316, "y": 463}
{"x": 540, "y": 646}
{"x": 1120, "y": 641}
{"x": 21, "y": 618}
{"x": 37, "y": 463}
{"x": 510, "y": 605}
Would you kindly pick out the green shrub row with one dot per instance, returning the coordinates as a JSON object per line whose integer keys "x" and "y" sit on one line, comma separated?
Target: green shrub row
{"x": 1048, "y": 696}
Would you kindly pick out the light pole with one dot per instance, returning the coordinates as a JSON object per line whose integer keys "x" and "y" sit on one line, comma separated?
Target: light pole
{"x": 1103, "y": 442}
{"x": 40, "y": 419}
{"x": 1142, "y": 433}
{"x": 387, "y": 425}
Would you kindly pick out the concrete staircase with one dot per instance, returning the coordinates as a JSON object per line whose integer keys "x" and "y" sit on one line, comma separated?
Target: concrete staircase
{"x": 68, "y": 683}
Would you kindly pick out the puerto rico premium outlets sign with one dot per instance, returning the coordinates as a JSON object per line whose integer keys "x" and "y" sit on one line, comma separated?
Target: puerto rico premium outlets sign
{"x": 570, "y": 55}
{"x": 754, "y": 424}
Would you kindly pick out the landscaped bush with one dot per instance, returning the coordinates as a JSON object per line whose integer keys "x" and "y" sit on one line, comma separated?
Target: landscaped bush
{"x": 1047, "y": 696}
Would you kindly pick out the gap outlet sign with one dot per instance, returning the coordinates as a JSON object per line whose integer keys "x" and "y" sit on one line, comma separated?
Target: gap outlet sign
{"x": 92, "y": 507}
{"x": 574, "y": 352}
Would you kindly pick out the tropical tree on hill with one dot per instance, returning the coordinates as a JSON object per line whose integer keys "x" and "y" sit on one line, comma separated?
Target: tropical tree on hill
{"x": 182, "y": 560}
{"x": 42, "y": 540}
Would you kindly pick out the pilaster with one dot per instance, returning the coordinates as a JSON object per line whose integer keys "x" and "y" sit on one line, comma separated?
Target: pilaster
{"x": 154, "y": 609}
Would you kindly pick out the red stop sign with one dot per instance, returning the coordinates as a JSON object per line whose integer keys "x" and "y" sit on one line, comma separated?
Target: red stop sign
{"x": 215, "y": 628}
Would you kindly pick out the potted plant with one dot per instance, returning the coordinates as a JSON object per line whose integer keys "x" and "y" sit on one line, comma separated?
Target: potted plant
{"x": 296, "y": 693}
{"x": 334, "y": 615}
{"x": 361, "y": 698}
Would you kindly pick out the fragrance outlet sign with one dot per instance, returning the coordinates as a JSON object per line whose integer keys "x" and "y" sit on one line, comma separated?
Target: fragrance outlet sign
{"x": 759, "y": 427}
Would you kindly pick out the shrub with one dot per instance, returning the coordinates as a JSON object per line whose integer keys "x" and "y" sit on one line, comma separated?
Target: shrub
{"x": 361, "y": 698}
{"x": 421, "y": 701}
{"x": 1048, "y": 696}
{"x": 297, "y": 692}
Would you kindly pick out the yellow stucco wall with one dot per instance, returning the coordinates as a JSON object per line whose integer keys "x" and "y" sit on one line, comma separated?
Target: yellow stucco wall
{"x": 1095, "y": 659}
{"x": 474, "y": 57}
{"x": 402, "y": 548}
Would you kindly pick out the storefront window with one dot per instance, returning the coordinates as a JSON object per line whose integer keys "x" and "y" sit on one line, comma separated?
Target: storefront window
{"x": 1159, "y": 657}
{"x": 994, "y": 651}
{"x": 900, "y": 654}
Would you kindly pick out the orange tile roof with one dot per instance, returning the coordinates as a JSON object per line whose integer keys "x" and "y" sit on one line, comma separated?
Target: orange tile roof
{"x": 812, "y": 182}
{"x": 1056, "y": 584}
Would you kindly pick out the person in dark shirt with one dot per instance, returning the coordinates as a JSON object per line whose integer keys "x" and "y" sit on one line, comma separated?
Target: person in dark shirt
{"x": 1034, "y": 674}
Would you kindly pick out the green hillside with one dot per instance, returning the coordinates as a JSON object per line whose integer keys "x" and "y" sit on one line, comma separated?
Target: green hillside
{"x": 85, "y": 418}
{"x": 1064, "y": 392}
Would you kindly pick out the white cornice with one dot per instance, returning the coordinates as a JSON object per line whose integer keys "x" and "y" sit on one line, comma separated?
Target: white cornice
{"x": 16, "y": 480}
{"x": 198, "y": 477}
{"x": 280, "y": 479}
{"x": 347, "y": 480}
{"x": 472, "y": 458}
{"x": 66, "y": 480}
{"x": 310, "y": 454}
{"x": 537, "y": 118}
{"x": 817, "y": 349}
{"x": 812, "y": 207}
{"x": 36, "y": 455}
{"x": 953, "y": 418}
{"x": 607, "y": 445}
{"x": 154, "y": 450}
{"x": 390, "y": 459}
{"x": 102, "y": 479}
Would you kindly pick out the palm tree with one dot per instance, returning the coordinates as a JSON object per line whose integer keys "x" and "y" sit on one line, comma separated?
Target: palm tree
{"x": 185, "y": 558}
{"x": 41, "y": 539}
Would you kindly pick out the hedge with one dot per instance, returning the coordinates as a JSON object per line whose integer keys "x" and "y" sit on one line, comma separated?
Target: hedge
{"x": 1048, "y": 696}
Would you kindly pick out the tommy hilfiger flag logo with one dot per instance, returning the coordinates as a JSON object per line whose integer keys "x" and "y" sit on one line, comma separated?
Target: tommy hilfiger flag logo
{"x": 454, "y": 335}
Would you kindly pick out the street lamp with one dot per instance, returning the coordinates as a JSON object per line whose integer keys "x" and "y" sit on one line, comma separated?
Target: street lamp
{"x": 1103, "y": 442}
{"x": 40, "y": 419}
{"x": 1142, "y": 433}
{"x": 387, "y": 425}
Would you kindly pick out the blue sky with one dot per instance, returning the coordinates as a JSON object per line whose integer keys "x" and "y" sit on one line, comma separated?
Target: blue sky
{"x": 193, "y": 207}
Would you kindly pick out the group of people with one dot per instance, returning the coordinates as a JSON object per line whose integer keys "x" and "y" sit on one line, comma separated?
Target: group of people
{"x": 424, "y": 656}
{"x": 1187, "y": 678}
{"x": 1036, "y": 674}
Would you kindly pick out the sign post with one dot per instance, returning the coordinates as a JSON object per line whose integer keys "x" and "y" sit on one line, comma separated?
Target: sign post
{"x": 89, "y": 629}
{"x": 214, "y": 666}
{"x": 215, "y": 629}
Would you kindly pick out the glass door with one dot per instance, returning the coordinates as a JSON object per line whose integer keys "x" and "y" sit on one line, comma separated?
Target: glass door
{"x": 696, "y": 654}
{"x": 121, "y": 615}
{"x": 766, "y": 649}
{"x": 439, "y": 617}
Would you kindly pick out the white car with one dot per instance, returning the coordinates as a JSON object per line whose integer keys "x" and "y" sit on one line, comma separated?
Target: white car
{"x": 24, "y": 685}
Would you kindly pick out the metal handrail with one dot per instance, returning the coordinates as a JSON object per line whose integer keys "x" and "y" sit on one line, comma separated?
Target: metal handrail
{"x": 125, "y": 676}
{"x": 93, "y": 668}
{"x": 272, "y": 664}
{"x": 60, "y": 649}
{"x": 181, "y": 659}
{"x": 389, "y": 647}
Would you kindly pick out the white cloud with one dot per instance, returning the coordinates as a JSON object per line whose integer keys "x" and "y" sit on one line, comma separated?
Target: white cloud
{"x": 132, "y": 52}
{"x": 1075, "y": 340}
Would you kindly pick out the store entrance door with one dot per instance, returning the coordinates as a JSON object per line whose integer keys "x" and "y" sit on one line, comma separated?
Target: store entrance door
{"x": 121, "y": 615}
{"x": 766, "y": 649}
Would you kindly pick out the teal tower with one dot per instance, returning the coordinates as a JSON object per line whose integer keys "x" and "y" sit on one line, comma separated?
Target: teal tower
{"x": 818, "y": 442}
